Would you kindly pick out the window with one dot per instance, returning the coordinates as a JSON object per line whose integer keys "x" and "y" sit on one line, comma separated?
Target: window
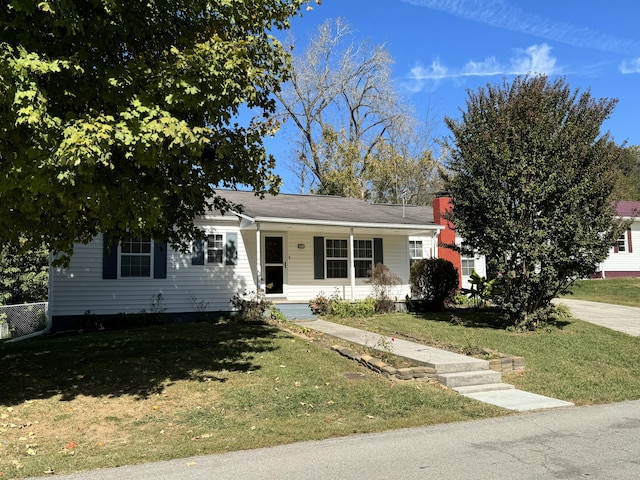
{"x": 135, "y": 257}
{"x": 363, "y": 257}
{"x": 336, "y": 258}
{"x": 215, "y": 248}
{"x": 468, "y": 266}
{"x": 415, "y": 251}
{"x": 621, "y": 244}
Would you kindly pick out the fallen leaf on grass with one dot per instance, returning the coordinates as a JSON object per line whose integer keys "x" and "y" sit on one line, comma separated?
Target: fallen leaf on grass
{"x": 71, "y": 445}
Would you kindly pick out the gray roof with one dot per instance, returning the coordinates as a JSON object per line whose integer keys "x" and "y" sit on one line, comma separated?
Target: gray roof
{"x": 326, "y": 208}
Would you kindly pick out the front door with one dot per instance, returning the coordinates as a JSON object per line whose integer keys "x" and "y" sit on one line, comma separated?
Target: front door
{"x": 274, "y": 265}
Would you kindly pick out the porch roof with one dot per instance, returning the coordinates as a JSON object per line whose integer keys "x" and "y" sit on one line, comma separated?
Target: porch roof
{"x": 327, "y": 210}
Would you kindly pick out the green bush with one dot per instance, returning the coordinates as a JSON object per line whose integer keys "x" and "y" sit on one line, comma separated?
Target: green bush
{"x": 320, "y": 305}
{"x": 347, "y": 309}
{"x": 250, "y": 306}
{"x": 382, "y": 281}
{"x": 434, "y": 281}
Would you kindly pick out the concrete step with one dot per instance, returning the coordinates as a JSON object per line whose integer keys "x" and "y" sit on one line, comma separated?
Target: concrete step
{"x": 458, "y": 365}
{"x": 489, "y": 387}
{"x": 463, "y": 379}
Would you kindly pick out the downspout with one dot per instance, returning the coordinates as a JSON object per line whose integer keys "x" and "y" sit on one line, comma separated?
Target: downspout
{"x": 258, "y": 260}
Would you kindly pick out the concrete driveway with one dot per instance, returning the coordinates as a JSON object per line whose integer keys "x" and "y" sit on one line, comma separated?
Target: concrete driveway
{"x": 616, "y": 317}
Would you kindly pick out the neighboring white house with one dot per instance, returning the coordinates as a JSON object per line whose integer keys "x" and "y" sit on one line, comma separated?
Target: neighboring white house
{"x": 624, "y": 259}
{"x": 294, "y": 247}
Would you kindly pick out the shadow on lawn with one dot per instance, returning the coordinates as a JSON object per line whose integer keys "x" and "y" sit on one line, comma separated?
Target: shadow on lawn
{"x": 138, "y": 362}
{"x": 486, "y": 317}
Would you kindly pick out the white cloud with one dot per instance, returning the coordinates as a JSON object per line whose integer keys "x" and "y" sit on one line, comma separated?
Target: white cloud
{"x": 630, "y": 66}
{"x": 499, "y": 14}
{"x": 536, "y": 59}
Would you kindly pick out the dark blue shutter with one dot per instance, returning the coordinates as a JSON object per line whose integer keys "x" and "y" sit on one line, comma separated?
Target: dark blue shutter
{"x": 231, "y": 249}
{"x": 159, "y": 259}
{"x": 377, "y": 251}
{"x": 318, "y": 258}
{"x": 109, "y": 259}
{"x": 197, "y": 255}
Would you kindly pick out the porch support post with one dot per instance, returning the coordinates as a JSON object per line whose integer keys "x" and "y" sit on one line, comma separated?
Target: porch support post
{"x": 258, "y": 260}
{"x": 352, "y": 269}
{"x": 434, "y": 243}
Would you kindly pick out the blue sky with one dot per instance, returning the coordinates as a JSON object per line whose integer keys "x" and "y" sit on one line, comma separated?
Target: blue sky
{"x": 442, "y": 48}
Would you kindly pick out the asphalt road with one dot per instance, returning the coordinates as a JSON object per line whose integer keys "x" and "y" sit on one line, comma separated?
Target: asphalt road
{"x": 595, "y": 442}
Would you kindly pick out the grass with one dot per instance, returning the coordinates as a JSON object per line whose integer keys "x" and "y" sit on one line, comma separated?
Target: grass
{"x": 574, "y": 360}
{"x": 106, "y": 399}
{"x": 620, "y": 291}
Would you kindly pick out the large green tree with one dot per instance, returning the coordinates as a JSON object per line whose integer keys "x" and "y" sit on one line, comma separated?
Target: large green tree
{"x": 349, "y": 123}
{"x": 531, "y": 178}
{"x": 24, "y": 275}
{"x": 628, "y": 187}
{"x": 122, "y": 115}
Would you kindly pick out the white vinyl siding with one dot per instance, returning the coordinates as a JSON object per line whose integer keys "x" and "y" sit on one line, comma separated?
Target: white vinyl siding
{"x": 302, "y": 287}
{"x": 81, "y": 289}
{"x": 629, "y": 260}
{"x": 188, "y": 288}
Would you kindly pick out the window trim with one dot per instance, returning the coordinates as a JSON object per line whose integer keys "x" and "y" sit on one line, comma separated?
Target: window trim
{"x": 412, "y": 249}
{"x": 340, "y": 259}
{"x": 462, "y": 267}
{"x": 369, "y": 259}
{"x": 200, "y": 249}
{"x": 122, "y": 254}
{"x": 622, "y": 243}
{"x": 209, "y": 257}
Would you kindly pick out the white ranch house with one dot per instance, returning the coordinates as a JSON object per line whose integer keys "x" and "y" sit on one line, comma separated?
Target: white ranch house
{"x": 294, "y": 247}
{"x": 624, "y": 256}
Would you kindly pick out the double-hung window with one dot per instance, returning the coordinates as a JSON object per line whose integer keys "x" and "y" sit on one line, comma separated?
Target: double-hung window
{"x": 362, "y": 257}
{"x": 468, "y": 266}
{"x": 135, "y": 257}
{"x": 416, "y": 253}
{"x": 337, "y": 258}
{"x": 622, "y": 243}
{"x": 215, "y": 248}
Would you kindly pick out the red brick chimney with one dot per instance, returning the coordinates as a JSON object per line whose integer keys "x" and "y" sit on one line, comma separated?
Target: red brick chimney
{"x": 441, "y": 205}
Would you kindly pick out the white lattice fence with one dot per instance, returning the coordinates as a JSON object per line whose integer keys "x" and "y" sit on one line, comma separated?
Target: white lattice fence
{"x": 20, "y": 320}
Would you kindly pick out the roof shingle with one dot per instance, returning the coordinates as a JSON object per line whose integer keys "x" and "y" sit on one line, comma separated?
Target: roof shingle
{"x": 326, "y": 208}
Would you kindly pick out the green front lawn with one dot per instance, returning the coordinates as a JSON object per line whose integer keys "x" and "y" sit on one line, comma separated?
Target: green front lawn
{"x": 117, "y": 398}
{"x": 620, "y": 291}
{"x": 574, "y": 361}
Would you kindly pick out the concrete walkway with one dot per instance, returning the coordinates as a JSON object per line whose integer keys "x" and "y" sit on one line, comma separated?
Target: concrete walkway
{"x": 616, "y": 317}
{"x": 469, "y": 376}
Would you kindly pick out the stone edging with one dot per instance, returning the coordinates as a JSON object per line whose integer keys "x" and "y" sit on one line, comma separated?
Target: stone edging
{"x": 419, "y": 374}
{"x": 503, "y": 364}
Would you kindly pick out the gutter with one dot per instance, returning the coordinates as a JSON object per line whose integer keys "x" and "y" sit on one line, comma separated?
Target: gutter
{"x": 328, "y": 223}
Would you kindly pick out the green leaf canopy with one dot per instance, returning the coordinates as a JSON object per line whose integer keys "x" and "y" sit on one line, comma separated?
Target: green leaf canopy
{"x": 531, "y": 178}
{"x": 121, "y": 115}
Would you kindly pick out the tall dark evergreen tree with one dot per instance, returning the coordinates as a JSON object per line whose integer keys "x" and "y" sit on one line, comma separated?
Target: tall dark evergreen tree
{"x": 531, "y": 178}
